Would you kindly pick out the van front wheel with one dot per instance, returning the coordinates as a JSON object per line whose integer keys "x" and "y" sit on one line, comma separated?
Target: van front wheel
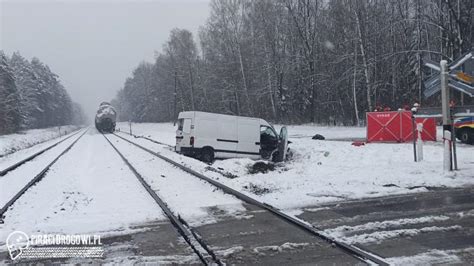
{"x": 207, "y": 155}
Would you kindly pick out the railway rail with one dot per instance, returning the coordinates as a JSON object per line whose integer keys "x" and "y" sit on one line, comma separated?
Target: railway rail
{"x": 352, "y": 250}
{"x": 202, "y": 250}
{"x": 36, "y": 179}
{"x": 31, "y": 157}
{"x": 149, "y": 139}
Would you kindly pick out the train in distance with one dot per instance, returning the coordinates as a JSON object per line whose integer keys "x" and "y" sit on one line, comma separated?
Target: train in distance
{"x": 105, "y": 118}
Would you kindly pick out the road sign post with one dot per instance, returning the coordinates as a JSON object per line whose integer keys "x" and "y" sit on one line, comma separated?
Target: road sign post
{"x": 450, "y": 78}
{"x": 453, "y": 141}
{"x": 419, "y": 142}
{"x": 447, "y": 159}
{"x": 413, "y": 126}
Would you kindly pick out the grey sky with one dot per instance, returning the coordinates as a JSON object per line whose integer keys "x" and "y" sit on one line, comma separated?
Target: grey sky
{"x": 94, "y": 45}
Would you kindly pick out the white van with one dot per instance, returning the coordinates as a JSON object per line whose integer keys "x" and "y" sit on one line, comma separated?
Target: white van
{"x": 207, "y": 136}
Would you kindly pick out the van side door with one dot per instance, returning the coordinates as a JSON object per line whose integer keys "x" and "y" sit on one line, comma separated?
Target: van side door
{"x": 225, "y": 132}
{"x": 249, "y": 138}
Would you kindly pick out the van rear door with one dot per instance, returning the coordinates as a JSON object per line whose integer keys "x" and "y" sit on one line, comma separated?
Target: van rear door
{"x": 183, "y": 133}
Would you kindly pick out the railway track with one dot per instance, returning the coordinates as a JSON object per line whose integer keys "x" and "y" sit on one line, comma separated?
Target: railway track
{"x": 149, "y": 139}
{"x": 31, "y": 157}
{"x": 37, "y": 178}
{"x": 200, "y": 248}
{"x": 353, "y": 251}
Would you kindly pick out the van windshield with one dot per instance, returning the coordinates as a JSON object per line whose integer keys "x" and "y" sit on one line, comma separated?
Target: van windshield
{"x": 267, "y": 135}
{"x": 180, "y": 124}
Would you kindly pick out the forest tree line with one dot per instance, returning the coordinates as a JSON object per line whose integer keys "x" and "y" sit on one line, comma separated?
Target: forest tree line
{"x": 31, "y": 96}
{"x": 296, "y": 61}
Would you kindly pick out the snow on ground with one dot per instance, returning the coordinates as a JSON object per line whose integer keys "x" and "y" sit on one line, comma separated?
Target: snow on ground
{"x": 373, "y": 226}
{"x": 19, "y": 155}
{"x": 376, "y": 232}
{"x": 13, "y": 181}
{"x": 186, "y": 195}
{"x": 83, "y": 193}
{"x": 309, "y": 130}
{"x": 151, "y": 260}
{"x": 286, "y": 245}
{"x": 449, "y": 257}
{"x": 14, "y": 142}
{"x": 324, "y": 171}
{"x": 162, "y": 132}
{"x": 379, "y": 236}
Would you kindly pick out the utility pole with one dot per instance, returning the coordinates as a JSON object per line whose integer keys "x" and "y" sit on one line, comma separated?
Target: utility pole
{"x": 175, "y": 95}
{"x": 447, "y": 138}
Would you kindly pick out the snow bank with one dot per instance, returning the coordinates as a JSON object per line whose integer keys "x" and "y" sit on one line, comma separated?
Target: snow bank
{"x": 14, "y": 142}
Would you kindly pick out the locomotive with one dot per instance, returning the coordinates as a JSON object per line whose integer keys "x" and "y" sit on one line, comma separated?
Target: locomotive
{"x": 105, "y": 118}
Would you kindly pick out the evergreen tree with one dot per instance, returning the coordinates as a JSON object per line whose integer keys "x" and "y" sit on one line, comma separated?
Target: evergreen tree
{"x": 33, "y": 96}
{"x": 10, "y": 117}
{"x": 26, "y": 81}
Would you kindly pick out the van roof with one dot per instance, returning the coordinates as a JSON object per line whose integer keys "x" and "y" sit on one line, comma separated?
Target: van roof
{"x": 191, "y": 114}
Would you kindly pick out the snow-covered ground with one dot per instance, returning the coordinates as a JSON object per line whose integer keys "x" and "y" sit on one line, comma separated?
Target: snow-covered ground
{"x": 14, "y": 142}
{"x": 12, "y": 158}
{"x": 162, "y": 132}
{"x": 193, "y": 202}
{"x": 82, "y": 193}
{"x": 95, "y": 192}
{"x": 323, "y": 171}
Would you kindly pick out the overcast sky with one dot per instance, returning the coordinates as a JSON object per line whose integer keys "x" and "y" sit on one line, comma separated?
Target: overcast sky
{"x": 94, "y": 45}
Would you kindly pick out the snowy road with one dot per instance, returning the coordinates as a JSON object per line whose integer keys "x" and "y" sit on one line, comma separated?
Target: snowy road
{"x": 425, "y": 228}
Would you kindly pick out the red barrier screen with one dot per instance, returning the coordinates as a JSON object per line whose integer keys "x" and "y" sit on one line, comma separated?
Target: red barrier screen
{"x": 397, "y": 127}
